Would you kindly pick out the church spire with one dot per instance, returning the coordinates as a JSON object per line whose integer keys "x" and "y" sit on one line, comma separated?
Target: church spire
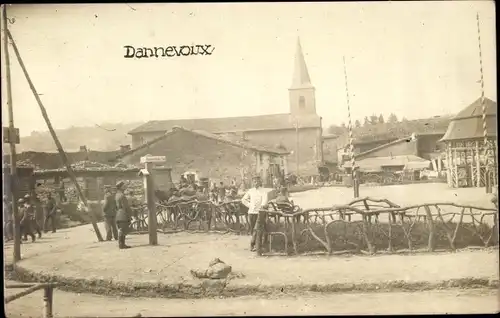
{"x": 301, "y": 77}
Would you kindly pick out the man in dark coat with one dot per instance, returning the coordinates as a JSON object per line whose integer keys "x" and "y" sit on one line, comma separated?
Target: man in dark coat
{"x": 33, "y": 221}
{"x": 109, "y": 210}
{"x": 50, "y": 213}
{"x": 27, "y": 213}
{"x": 123, "y": 215}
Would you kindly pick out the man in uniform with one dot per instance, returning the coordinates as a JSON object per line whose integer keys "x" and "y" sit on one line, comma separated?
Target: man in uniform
{"x": 50, "y": 213}
{"x": 26, "y": 211}
{"x": 109, "y": 210}
{"x": 31, "y": 208}
{"x": 123, "y": 215}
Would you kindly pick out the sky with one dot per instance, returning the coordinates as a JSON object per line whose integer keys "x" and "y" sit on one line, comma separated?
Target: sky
{"x": 414, "y": 59}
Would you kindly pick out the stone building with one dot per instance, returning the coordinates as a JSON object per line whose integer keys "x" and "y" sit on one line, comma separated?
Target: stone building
{"x": 298, "y": 131}
{"x": 216, "y": 157}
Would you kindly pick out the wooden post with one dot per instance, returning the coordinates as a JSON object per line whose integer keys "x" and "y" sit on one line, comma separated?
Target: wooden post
{"x": 14, "y": 182}
{"x": 56, "y": 140}
{"x": 478, "y": 166}
{"x": 150, "y": 199}
{"x": 48, "y": 299}
{"x": 431, "y": 243}
{"x": 297, "y": 146}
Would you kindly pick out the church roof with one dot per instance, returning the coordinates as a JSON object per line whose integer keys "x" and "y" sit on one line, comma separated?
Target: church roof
{"x": 468, "y": 124}
{"x": 301, "y": 77}
{"x": 231, "y": 124}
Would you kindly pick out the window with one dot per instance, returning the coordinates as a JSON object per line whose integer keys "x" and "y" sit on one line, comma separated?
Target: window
{"x": 302, "y": 102}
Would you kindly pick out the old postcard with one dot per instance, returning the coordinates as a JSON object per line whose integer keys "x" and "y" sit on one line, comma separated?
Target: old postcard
{"x": 250, "y": 159}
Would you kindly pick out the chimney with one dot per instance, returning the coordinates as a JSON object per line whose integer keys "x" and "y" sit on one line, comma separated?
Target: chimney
{"x": 124, "y": 148}
{"x": 83, "y": 148}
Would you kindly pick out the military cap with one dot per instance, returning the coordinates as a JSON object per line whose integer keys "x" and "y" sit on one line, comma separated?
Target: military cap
{"x": 120, "y": 184}
{"x": 20, "y": 200}
{"x": 27, "y": 196}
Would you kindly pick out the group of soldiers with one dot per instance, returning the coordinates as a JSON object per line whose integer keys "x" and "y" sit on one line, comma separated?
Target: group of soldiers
{"x": 117, "y": 214}
{"x": 27, "y": 214}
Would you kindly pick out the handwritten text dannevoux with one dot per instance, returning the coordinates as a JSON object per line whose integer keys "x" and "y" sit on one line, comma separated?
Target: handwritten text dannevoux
{"x": 168, "y": 51}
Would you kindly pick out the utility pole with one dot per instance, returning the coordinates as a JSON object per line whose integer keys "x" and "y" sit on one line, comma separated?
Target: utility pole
{"x": 12, "y": 142}
{"x": 297, "y": 146}
{"x": 56, "y": 140}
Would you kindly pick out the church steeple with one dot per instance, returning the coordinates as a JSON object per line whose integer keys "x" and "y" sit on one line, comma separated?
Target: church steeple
{"x": 302, "y": 96}
{"x": 301, "y": 77}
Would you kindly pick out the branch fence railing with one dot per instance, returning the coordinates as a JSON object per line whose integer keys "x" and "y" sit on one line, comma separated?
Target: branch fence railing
{"x": 365, "y": 225}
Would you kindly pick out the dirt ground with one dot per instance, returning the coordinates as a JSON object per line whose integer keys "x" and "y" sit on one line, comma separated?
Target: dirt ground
{"x": 400, "y": 194}
{"x": 72, "y": 253}
{"x": 432, "y": 302}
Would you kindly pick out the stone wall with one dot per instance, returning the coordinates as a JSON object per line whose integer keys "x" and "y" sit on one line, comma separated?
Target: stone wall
{"x": 309, "y": 144}
{"x": 185, "y": 151}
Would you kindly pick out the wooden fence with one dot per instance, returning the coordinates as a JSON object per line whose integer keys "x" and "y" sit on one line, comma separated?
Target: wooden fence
{"x": 48, "y": 292}
{"x": 365, "y": 225}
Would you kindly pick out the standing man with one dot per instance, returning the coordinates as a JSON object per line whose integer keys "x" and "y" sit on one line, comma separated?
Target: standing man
{"x": 254, "y": 200}
{"x": 7, "y": 219}
{"x": 26, "y": 211}
{"x": 123, "y": 214}
{"x": 62, "y": 192}
{"x": 50, "y": 213}
{"x": 221, "y": 192}
{"x": 30, "y": 207}
{"x": 109, "y": 210}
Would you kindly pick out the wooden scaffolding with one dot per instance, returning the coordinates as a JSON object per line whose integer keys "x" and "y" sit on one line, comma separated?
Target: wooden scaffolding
{"x": 470, "y": 160}
{"x": 466, "y": 163}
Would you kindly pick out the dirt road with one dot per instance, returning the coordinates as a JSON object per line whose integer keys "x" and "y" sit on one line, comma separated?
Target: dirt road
{"x": 445, "y": 301}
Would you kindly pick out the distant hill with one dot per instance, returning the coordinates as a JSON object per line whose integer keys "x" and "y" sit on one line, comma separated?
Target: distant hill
{"x": 103, "y": 137}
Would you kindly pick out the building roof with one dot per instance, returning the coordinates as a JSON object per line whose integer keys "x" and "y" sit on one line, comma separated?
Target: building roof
{"x": 301, "y": 78}
{"x": 232, "y": 124}
{"x": 226, "y": 140}
{"x": 468, "y": 124}
{"x": 377, "y": 163}
{"x": 395, "y": 142}
{"x": 393, "y": 131}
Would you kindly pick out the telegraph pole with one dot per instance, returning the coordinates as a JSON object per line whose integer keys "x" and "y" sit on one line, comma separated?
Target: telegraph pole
{"x": 56, "y": 140}
{"x": 12, "y": 142}
{"x": 297, "y": 146}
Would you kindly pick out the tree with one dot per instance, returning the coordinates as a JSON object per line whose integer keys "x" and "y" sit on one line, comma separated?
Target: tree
{"x": 367, "y": 121}
{"x": 381, "y": 119}
{"x": 393, "y": 118}
{"x": 357, "y": 124}
{"x": 404, "y": 120}
{"x": 373, "y": 119}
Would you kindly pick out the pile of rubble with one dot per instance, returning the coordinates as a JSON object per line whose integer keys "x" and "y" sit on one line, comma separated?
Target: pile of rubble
{"x": 27, "y": 163}
{"x": 82, "y": 165}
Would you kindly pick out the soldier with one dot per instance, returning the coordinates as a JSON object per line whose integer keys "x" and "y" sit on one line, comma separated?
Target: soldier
{"x": 49, "y": 212}
{"x": 109, "y": 210}
{"x": 123, "y": 215}
{"x": 7, "y": 218}
{"x": 27, "y": 213}
{"x": 33, "y": 222}
{"x": 62, "y": 192}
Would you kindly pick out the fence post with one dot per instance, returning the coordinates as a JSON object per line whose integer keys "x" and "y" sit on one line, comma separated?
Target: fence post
{"x": 48, "y": 293}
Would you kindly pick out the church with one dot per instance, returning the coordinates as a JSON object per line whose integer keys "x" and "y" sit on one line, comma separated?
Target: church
{"x": 299, "y": 131}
